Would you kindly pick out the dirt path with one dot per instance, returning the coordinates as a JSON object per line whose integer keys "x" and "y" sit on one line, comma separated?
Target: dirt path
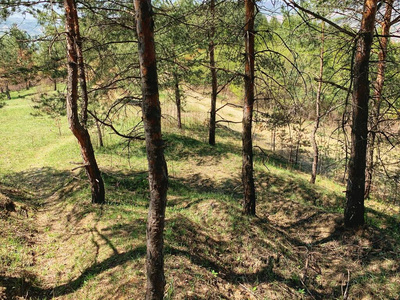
{"x": 46, "y": 228}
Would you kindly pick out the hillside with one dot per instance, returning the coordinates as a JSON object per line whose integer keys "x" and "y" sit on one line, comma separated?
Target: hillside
{"x": 56, "y": 245}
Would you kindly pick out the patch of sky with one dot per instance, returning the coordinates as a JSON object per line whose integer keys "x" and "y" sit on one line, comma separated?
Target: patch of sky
{"x": 25, "y": 22}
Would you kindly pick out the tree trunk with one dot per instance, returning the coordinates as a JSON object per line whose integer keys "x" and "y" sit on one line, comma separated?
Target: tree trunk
{"x": 158, "y": 176}
{"x": 8, "y": 92}
{"x": 81, "y": 74}
{"x": 80, "y": 132}
{"x": 214, "y": 83}
{"x": 378, "y": 90}
{"x": 178, "y": 101}
{"x": 249, "y": 205}
{"x": 55, "y": 84}
{"x": 354, "y": 210}
{"x": 99, "y": 133}
{"x": 273, "y": 138}
{"x": 317, "y": 109}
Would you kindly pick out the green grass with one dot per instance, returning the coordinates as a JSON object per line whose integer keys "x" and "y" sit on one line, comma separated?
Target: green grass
{"x": 30, "y": 141}
{"x": 69, "y": 249}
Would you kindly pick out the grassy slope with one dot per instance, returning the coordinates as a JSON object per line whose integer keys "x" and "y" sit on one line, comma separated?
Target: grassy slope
{"x": 58, "y": 245}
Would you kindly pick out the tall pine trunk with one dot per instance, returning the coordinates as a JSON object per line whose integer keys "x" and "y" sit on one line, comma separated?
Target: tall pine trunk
{"x": 249, "y": 205}
{"x": 354, "y": 210}
{"x": 77, "y": 128}
{"x": 378, "y": 90}
{"x": 158, "y": 176}
{"x": 81, "y": 75}
{"x": 318, "y": 109}
{"x": 214, "y": 83}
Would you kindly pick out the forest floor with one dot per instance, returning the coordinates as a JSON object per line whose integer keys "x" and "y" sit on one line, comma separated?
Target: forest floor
{"x": 55, "y": 244}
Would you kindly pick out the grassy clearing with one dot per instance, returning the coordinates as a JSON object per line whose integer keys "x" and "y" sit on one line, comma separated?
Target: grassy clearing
{"x": 57, "y": 245}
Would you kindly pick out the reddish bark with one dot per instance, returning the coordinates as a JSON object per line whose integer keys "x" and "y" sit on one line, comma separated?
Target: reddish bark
{"x": 77, "y": 128}
{"x": 249, "y": 205}
{"x": 158, "y": 176}
{"x": 354, "y": 210}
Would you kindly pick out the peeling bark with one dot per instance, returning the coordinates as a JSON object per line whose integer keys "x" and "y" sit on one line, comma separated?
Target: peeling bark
{"x": 77, "y": 128}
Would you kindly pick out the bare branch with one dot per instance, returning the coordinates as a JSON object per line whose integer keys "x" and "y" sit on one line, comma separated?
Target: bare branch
{"x": 318, "y": 16}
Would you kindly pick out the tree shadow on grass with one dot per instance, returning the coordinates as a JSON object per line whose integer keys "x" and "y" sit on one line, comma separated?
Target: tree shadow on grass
{"x": 17, "y": 95}
{"x": 299, "y": 190}
{"x": 181, "y": 147}
{"x": 59, "y": 195}
{"x": 340, "y": 251}
{"x": 177, "y": 148}
{"x": 185, "y": 190}
{"x": 222, "y": 131}
{"x": 43, "y": 188}
{"x": 26, "y": 287}
{"x": 126, "y": 188}
{"x": 217, "y": 241}
{"x": 313, "y": 213}
{"x": 187, "y": 239}
{"x": 33, "y": 187}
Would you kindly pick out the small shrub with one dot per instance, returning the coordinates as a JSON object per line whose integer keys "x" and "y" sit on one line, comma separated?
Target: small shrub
{"x": 53, "y": 105}
{"x": 2, "y": 100}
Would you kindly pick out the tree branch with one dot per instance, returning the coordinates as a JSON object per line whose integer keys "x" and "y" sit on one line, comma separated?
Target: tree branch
{"x": 318, "y": 16}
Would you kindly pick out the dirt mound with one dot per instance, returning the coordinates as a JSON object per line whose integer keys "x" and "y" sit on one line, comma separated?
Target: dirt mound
{"x": 6, "y": 205}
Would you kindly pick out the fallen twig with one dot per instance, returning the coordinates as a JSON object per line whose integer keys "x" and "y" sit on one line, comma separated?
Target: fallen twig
{"x": 345, "y": 293}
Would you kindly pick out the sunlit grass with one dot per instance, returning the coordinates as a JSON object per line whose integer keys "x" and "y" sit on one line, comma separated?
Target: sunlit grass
{"x": 29, "y": 141}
